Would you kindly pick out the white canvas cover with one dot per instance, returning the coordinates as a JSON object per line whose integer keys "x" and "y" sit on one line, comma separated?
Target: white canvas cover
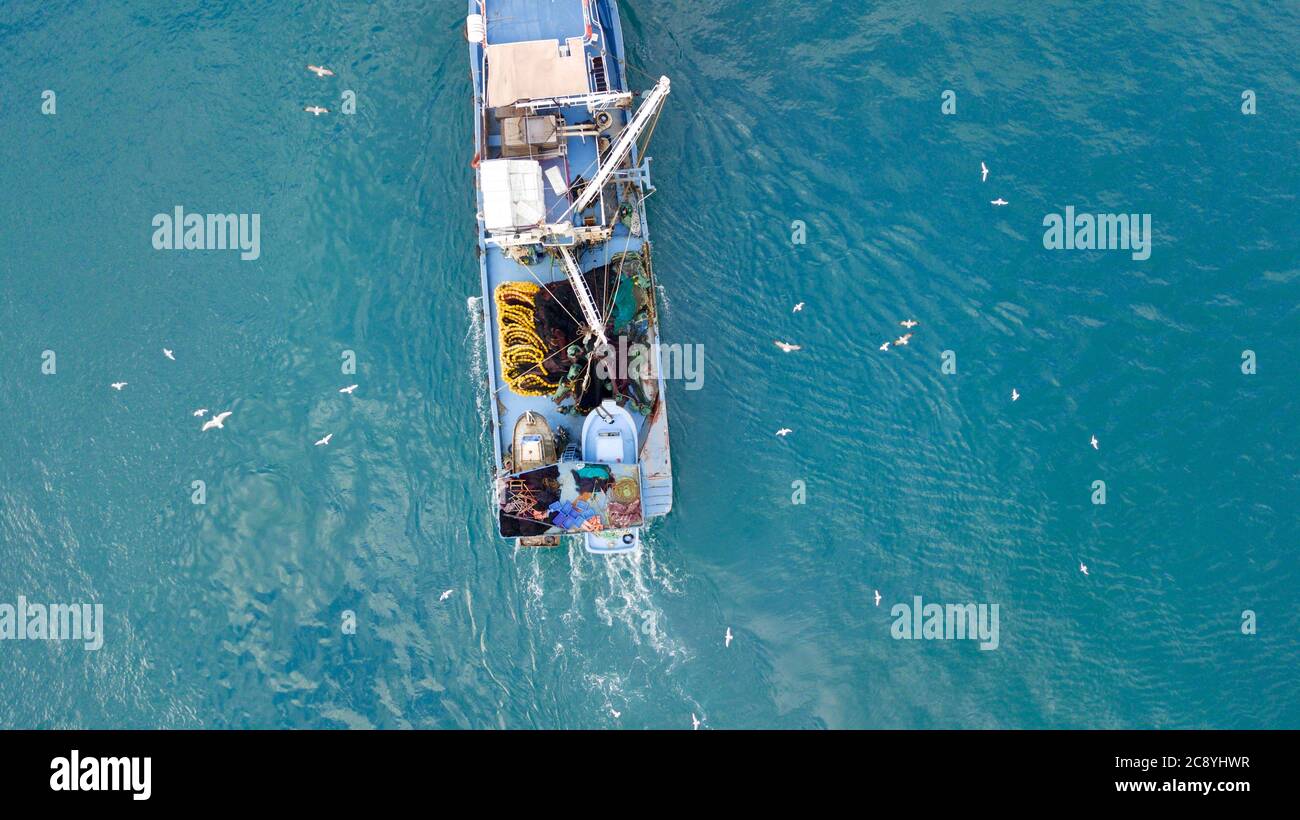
{"x": 534, "y": 70}
{"x": 512, "y": 194}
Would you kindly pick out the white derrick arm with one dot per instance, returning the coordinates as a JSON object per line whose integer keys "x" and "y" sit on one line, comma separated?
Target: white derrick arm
{"x": 593, "y": 102}
{"x": 596, "y": 101}
{"x": 622, "y": 147}
{"x": 585, "y": 300}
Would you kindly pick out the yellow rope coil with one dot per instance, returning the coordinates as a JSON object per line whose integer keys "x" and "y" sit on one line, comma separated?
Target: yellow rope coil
{"x": 522, "y": 350}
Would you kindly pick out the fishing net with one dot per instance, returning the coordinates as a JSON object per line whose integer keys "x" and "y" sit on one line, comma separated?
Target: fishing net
{"x": 544, "y": 348}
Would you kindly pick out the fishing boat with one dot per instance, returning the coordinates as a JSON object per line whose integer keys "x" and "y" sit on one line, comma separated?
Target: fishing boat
{"x": 579, "y": 432}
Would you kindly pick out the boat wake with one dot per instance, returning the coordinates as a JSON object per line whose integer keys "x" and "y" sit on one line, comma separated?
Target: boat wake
{"x": 478, "y": 366}
{"x": 620, "y": 591}
{"x": 619, "y": 596}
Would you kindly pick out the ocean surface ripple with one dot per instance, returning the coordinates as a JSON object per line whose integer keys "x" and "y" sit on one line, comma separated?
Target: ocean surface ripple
{"x": 918, "y": 483}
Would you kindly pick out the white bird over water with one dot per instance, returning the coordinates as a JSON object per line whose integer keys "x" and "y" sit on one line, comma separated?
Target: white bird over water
{"x": 444, "y": 596}
{"x": 786, "y": 346}
{"x": 695, "y": 722}
{"x": 909, "y": 323}
{"x": 903, "y": 340}
{"x": 316, "y": 110}
{"x": 984, "y": 172}
{"x": 877, "y": 597}
{"x": 202, "y": 411}
{"x": 117, "y": 385}
{"x": 885, "y": 346}
{"x": 348, "y": 389}
{"x": 1015, "y": 394}
{"x": 325, "y": 440}
{"x": 1094, "y": 443}
{"x": 784, "y": 431}
{"x": 320, "y": 71}
{"x": 218, "y": 422}
{"x": 1083, "y": 568}
{"x": 168, "y": 354}
{"x": 999, "y": 202}
{"x": 616, "y": 713}
{"x": 728, "y": 637}
{"x": 797, "y": 308}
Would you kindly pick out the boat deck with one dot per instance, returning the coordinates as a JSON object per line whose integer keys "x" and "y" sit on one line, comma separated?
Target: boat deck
{"x": 510, "y": 21}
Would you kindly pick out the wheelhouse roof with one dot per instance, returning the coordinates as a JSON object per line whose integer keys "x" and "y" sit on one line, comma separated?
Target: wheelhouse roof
{"x": 535, "y": 69}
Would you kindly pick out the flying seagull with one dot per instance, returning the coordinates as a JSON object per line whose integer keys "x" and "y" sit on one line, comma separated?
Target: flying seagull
{"x": 320, "y": 71}
{"x": 784, "y": 431}
{"x": 1094, "y": 443}
{"x": 348, "y": 389}
{"x": 786, "y": 346}
{"x": 168, "y": 354}
{"x": 877, "y": 597}
{"x": 797, "y": 308}
{"x": 444, "y": 596}
{"x": 984, "y": 172}
{"x": 217, "y": 421}
{"x": 885, "y": 346}
{"x": 902, "y": 340}
{"x": 117, "y": 385}
{"x": 316, "y": 109}
{"x": 1083, "y": 568}
{"x": 1015, "y": 394}
{"x": 325, "y": 440}
{"x": 616, "y": 713}
{"x": 200, "y": 412}
{"x": 728, "y": 637}
{"x": 909, "y": 323}
{"x": 695, "y": 722}
{"x": 999, "y": 202}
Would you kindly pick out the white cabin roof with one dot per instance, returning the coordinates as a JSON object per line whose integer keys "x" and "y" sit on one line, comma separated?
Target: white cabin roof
{"x": 512, "y": 194}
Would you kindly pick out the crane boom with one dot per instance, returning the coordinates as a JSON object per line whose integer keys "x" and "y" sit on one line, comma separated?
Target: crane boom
{"x": 585, "y": 300}
{"x": 622, "y": 147}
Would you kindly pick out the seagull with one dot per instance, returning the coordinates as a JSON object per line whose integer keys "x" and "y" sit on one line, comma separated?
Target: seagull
{"x": 729, "y": 637}
{"x": 885, "y": 346}
{"x": 786, "y": 346}
{"x": 1094, "y": 443}
{"x": 444, "y": 596}
{"x": 695, "y": 722}
{"x": 902, "y": 340}
{"x": 909, "y": 323}
{"x": 117, "y": 385}
{"x": 316, "y": 109}
{"x": 877, "y": 597}
{"x": 320, "y": 71}
{"x": 797, "y": 308}
{"x": 325, "y": 440}
{"x": 168, "y": 354}
{"x": 999, "y": 202}
{"x": 616, "y": 713}
{"x": 200, "y": 412}
{"x": 217, "y": 421}
{"x": 1083, "y": 568}
{"x": 1015, "y": 394}
{"x": 984, "y": 172}
{"x": 784, "y": 431}
{"x": 348, "y": 389}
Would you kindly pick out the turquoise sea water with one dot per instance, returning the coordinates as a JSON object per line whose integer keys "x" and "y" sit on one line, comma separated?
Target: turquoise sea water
{"x": 918, "y": 482}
